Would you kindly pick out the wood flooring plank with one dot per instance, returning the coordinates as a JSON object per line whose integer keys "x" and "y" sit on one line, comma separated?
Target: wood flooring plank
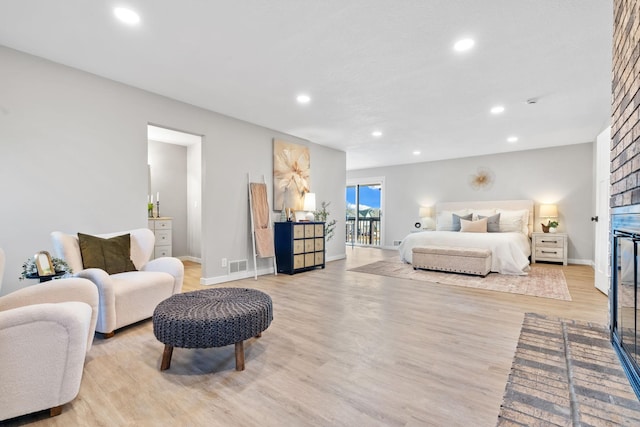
{"x": 344, "y": 348}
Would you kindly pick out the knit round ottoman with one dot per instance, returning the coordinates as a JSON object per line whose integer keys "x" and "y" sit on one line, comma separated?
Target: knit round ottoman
{"x": 211, "y": 318}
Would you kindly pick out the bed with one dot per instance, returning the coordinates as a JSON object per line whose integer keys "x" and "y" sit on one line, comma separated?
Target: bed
{"x": 508, "y": 239}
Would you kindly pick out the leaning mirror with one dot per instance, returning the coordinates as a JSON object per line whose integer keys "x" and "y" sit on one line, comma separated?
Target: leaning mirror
{"x": 44, "y": 264}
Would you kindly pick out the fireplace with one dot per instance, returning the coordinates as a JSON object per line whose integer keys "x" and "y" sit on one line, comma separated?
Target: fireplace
{"x": 625, "y": 290}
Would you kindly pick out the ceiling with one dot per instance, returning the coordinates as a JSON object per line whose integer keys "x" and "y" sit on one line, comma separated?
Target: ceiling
{"x": 367, "y": 65}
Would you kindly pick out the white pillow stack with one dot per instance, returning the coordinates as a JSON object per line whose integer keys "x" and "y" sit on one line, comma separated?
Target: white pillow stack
{"x": 444, "y": 221}
{"x": 482, "y": 212}
{"x": 516, "y": 221}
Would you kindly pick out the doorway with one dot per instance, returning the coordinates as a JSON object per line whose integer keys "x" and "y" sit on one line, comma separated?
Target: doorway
{"x": 175, "y": 174}
{"x": 364, "y": 212}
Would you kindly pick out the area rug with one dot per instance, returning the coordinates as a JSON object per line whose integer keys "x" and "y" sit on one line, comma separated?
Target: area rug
{"x": 566, "y": 373}
{"x": 540, "y": 282}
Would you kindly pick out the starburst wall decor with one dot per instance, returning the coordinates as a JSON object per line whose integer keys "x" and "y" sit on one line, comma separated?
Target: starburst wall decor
{"x": 482, "y": 179}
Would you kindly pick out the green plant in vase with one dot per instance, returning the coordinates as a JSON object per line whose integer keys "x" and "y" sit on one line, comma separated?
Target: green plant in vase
{"x": 322, "y": 215}
{"x": 150, "y": 210}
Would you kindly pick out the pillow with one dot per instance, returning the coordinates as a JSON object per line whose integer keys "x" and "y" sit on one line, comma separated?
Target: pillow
{"x": 514, "y": 220}
{"x": 493, "y": 223}
{"x": 477, "y": 213}
{"x": 456, "y": 220}
{"x": 444, "y": 220}
{"x": 479, "y": 226}
{"x": 111, "y": 255}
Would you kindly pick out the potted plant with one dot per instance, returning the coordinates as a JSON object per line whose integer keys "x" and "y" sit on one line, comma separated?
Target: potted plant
{"x": 553, "y": 226}
{"x": 322, "y": 215}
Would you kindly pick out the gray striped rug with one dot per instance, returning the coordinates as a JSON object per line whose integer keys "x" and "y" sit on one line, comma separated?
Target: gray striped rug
{"x": 566, "y": 373}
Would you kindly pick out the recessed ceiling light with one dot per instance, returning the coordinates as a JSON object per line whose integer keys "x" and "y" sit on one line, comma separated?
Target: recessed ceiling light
{"x": 497, "y": 109}
{"x": 512, "y": 139}
{"x": 303, "y": 99}
{"x": 127, "y": 16}
{"x": 416, "y": 153}
{"x": 463, "y": 45}
{"x": 376, "y": 133}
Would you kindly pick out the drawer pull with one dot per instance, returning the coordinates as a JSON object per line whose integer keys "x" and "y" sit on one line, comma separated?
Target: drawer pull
{"x": 549, "y": 241}
{"x": 549, "y": 252}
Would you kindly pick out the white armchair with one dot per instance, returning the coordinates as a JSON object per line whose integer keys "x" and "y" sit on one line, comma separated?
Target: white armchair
{"x": 128, "y": 297}
{"x": 45, "y": 332}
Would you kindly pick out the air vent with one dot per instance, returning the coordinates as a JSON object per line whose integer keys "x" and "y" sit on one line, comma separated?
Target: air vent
{"x": 397, "y": 242}
{"x": 237, "y": 266}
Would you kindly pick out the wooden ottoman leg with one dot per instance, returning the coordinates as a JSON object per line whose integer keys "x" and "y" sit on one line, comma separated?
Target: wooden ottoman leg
{"x": 166, "y": 357}
{"x": 240, "y": 356}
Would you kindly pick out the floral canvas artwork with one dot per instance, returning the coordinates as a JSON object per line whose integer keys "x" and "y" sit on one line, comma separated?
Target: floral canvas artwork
{"x": 291, "y": 174}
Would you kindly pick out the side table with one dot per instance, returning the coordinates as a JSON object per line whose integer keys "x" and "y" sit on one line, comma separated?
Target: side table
{"x": 43, "y": 279}
{"x": 550, "y": 247}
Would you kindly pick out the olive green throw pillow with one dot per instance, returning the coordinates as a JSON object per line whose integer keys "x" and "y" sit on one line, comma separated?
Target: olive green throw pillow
{"x": 111, "y": 255}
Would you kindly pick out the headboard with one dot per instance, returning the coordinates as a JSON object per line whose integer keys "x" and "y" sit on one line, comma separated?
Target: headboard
{"x": 483, "y": 204}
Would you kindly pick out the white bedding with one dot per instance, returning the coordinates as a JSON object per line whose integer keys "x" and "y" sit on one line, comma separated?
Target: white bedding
{"x": 510, "y": 251}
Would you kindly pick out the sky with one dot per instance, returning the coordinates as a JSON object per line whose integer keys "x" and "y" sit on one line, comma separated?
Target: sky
{"x": 369, "y": 196}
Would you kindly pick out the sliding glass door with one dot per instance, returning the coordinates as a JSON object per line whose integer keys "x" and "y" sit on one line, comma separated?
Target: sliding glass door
{"x": 363, "y": 216}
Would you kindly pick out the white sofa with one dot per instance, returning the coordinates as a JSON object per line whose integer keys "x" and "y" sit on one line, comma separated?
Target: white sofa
{"x": 128, "y": 297}
{"x": 45, "y": 332}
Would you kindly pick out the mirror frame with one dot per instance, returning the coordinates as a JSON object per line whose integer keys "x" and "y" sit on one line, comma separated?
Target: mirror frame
{"x": 43, "y": 263}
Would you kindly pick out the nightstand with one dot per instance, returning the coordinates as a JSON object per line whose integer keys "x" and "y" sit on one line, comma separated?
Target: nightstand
{"x": 550, "y": 247}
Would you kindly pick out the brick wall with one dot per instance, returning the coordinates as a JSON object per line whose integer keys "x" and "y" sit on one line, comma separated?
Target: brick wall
{"x": 625, "y": 120}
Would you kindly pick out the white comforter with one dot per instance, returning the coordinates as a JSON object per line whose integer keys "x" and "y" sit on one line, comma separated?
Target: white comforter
{"x": 510, "y": 251}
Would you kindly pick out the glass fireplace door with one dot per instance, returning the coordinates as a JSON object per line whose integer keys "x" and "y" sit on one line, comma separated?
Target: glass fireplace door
{"x": 625, "y": 316}
{"x": 627, "y": 295}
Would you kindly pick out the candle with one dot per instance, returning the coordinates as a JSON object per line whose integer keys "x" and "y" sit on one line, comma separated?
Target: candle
{"x": 148, "y": 198}
{"x": 158, "y": 197}
{"x": 152, "y": 198}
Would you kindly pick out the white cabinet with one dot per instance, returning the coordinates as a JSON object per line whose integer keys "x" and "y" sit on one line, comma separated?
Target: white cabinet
{"x": 161, "y": 227}
{"x": 549, "y": 247}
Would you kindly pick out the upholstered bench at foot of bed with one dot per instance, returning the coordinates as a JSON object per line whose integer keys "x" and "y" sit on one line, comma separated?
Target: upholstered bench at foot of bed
{"x": 456, "y": 260}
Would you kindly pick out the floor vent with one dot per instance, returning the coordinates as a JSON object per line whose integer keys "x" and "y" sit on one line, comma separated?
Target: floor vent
{"x": 397, "y": 242}
{"x": 237, "y": 266}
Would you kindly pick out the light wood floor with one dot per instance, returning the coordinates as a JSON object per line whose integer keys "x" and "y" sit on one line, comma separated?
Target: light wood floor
{"x": 344, "y": 349}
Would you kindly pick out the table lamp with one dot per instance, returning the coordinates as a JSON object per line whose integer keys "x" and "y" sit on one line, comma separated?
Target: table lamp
{"x": 309, "y": 206}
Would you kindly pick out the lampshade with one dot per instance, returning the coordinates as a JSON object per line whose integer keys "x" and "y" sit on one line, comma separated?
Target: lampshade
{"x": 425, "y": 212}
{"x": 548, "y": 211}
{"x": 309, "y": 202}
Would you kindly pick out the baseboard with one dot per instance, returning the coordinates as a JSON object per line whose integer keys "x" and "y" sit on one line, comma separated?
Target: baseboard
{"x": 392, "y": 248}
{"x": 205, "y": 281}
{"x": 233, "y": 277}
{"x": 336, "y": 257}
{"x": 581, "y": 262}
{"x": 190, "y": 258}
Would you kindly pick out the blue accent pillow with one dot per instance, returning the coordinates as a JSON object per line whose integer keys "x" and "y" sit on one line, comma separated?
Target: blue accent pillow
{"x": 456, "y": 221}
{"x": 493, "y": 223}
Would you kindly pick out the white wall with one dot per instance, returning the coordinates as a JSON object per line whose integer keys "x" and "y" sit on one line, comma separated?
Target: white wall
{"x": 561, "y": 175}
{"x": 73, "y": 157}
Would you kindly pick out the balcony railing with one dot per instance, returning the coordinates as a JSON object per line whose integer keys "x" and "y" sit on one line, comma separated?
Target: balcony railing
{"x": 367, "y": 231}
